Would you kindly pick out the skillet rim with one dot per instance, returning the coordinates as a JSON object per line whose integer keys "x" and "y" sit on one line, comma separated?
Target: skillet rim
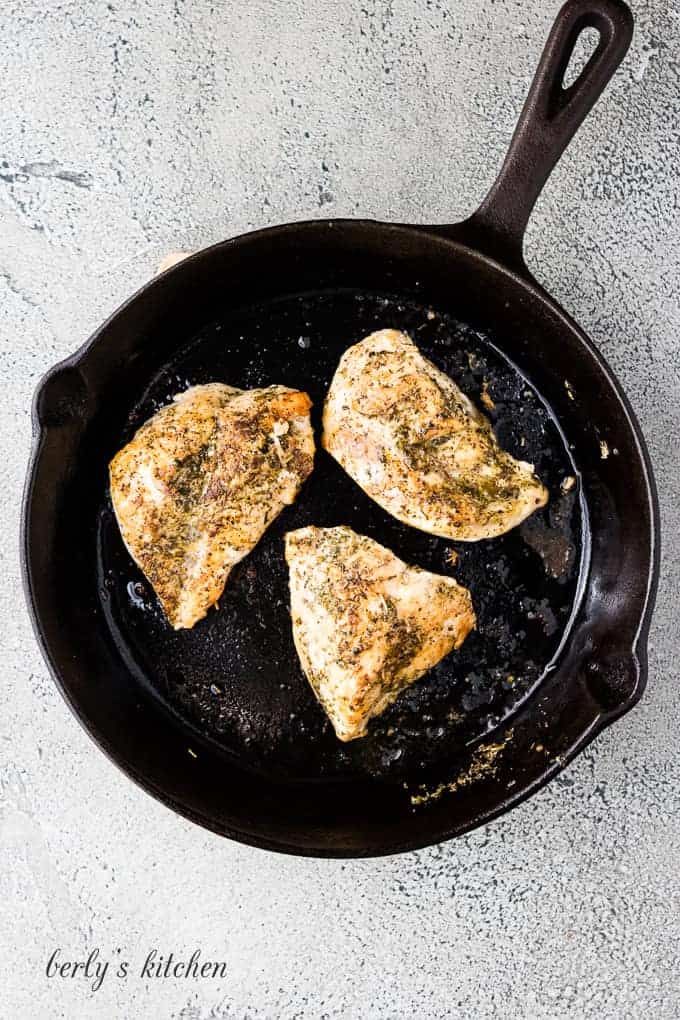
{"x": 521, "y": 280}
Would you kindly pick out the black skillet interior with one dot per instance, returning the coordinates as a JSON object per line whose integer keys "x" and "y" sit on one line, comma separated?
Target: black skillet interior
{"x": 236, "y": 676}
{"x": 218, "y": 722}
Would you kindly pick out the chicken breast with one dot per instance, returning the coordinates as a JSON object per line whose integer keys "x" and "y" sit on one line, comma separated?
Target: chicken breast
{"x": 365, "y": 624}
{"x": 419, "y": 447}
{"x": 200, "y": 482}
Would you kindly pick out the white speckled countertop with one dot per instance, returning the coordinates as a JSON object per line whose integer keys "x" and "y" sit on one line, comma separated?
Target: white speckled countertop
{"x": 133, "y": 128}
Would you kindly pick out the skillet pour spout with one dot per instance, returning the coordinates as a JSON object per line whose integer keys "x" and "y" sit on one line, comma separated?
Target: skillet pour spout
{"x": 143, "y": 694}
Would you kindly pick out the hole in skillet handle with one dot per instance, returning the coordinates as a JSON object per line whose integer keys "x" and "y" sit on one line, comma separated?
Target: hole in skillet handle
{"x": 584, "y": 49}
{"x": 555, "y": 107}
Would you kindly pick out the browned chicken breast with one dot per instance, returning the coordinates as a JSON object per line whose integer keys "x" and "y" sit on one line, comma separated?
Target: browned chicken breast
{"x": 365, "y": 624}
{"x": 199, "y": 483}
{"x": 419, "y": 447}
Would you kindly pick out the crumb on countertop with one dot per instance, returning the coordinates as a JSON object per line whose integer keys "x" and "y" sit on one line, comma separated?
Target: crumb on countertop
{"x": 171, "y": 259}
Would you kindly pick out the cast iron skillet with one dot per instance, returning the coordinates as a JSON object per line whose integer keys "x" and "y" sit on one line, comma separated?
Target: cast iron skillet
{"x": 219, "y": 722}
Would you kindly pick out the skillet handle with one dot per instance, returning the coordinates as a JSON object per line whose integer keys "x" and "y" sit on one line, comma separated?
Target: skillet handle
{"x": 549, "y": 119}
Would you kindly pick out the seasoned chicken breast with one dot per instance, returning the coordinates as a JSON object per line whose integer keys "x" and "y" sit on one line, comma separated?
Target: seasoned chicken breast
{"x": 365, "y": 624}
{"x": 419, "y": 447}
{"x": 200, "y": 482}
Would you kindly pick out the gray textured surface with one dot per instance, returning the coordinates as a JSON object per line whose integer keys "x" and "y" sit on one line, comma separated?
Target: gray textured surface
{"x": 132, "y": 128}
